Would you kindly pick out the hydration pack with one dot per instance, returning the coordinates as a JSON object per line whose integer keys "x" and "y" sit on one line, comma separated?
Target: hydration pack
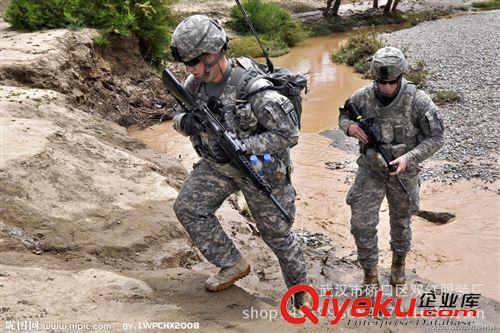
{"x": 284, "y": 81}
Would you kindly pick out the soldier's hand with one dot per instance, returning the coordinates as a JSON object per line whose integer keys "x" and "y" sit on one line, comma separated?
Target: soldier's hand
{"x": 356, "y": 132}
{"x": 401, "y": 164}
{"x": 191, "y": 124}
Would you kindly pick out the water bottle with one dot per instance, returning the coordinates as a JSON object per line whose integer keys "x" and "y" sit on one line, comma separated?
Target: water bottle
{"x": 268, "y": 161}
{"x": 257, "y": 165}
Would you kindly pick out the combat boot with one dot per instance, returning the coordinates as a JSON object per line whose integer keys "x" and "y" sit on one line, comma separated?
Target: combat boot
{"x": 398, "y": 270}
{"x": 371, "y": 277}
{"x": 227, "y": 276}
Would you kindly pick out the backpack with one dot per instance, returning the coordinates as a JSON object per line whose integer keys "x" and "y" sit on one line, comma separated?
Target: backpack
{"x": 284, "y": 81}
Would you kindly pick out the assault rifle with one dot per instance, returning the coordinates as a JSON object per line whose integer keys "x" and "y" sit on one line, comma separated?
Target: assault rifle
{"x": 230, "y": 144}
{"x": 375, "y": 138}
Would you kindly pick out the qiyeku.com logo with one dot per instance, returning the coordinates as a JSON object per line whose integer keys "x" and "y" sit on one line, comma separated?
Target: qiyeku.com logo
{"x": 361, "y": 307}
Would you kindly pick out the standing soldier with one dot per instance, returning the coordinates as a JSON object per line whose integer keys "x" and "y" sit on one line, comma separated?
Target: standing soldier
{"x": 410, "y": 129}
{"x": 265, "y": 124}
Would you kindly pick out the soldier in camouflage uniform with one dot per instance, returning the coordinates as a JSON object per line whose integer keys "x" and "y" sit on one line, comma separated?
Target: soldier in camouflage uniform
{"x": 411, "y": 129}
{"x": 264, "y": 124}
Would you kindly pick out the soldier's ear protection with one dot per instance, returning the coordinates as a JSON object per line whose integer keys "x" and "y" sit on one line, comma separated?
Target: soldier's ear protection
{"x": 175, "y": 53}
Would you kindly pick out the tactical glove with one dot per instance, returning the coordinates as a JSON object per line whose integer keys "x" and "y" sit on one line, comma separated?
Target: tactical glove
{"x": 191, "y": 124}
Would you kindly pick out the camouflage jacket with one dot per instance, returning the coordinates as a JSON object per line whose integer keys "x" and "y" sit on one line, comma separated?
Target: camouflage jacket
{"x": 411, "y": 126}
{"x": 272, "y": 131}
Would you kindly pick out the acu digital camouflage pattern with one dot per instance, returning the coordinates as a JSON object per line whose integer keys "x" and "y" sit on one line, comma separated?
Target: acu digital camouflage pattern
{"x": 388, "y": 63}
{"x": 269, "y": 128}
{"x": 411, "y": 126}
{"x": 206, "y": 189}
{"x": 265, "y": 126}
{"x": 196, "y": 35}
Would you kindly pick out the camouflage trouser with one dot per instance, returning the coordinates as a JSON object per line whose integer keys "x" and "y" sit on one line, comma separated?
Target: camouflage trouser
{"x": 204, "y": 192}
{"x": 365, "y": 198}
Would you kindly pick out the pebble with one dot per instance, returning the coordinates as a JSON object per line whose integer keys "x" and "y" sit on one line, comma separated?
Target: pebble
{"x": 462, "y": 55}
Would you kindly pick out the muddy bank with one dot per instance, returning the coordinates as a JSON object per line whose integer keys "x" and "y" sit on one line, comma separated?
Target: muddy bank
{"x": 113, "y": 82}
{"x": 76, "y": 191}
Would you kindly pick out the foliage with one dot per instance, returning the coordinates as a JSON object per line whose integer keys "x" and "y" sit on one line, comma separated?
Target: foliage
{"x": 248, "y": 46}
{"x": 149, "y": 20}
{"x": 418, "y": 74}
{"x": 357, "y": 50}
{"x": 487, "y": 5}
{"x": 360, "y": 48}
{"x": 274, "y": 24}
{"x": 446, "y": 96}
{"x": 412, "y": 18}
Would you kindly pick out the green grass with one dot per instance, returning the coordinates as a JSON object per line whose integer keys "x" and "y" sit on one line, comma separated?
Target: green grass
{"x": 248, "y": 46}
{"x": 321, "y": 29}
{"x": 100, "y": 40}
{"x": 274, "y": 25}
{"x": 412, "y": 18}
{"x": 149, "y": 20}
{"x": 488, "y": 5}
{"x": 418, "y": 74}
{"x": 357, "y": 50}
{"x": 446, "y": 96}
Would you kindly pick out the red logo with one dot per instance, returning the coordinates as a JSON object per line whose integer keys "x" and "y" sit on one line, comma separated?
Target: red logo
{"x": 359, "y": 307}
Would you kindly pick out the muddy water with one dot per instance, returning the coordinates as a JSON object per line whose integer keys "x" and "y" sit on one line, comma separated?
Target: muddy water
{"x": 329, "y": 84}
{"x": 463, "y": 252}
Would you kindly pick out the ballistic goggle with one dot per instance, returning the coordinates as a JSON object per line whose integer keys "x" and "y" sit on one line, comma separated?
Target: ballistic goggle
{"x": 177, "y": 57}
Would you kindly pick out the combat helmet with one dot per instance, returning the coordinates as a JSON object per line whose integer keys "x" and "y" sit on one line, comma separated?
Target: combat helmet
{"x": 197, "y": 35}
{"x": 388, "y": 63}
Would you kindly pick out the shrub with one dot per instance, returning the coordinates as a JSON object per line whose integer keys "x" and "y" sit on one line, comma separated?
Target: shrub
{"x": 446, "y": 96}
{"x": 487, "y": 5}
{"x": 357, "y": 50}
{"x": 273, "y": 24}
{"x": 248, "y": 46}
{"x": 413, "y": 18}
{"x": 360, "y": 48}
{"x": 418, "y": 74}
{"x": 151, "y": 20}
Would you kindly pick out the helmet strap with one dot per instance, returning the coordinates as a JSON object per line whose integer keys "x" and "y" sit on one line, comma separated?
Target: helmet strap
{"x": 208, "y": 66}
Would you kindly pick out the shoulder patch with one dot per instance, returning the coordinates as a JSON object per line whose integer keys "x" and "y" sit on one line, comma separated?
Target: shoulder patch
{"x": 287, "y": 107}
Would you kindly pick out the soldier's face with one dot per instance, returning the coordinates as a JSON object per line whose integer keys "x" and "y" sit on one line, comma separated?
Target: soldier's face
{"x": 198, "y": 70}
{"x": 387, "y": 87}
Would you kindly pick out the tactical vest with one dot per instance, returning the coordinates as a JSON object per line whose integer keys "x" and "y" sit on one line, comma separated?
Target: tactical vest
{"x": 397, "y": 122}
{"x": 203, "y": 143}
{"x": 229, "y": 97}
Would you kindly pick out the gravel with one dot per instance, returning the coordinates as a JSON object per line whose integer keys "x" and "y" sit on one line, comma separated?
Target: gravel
{"x": 462, "y": 55}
